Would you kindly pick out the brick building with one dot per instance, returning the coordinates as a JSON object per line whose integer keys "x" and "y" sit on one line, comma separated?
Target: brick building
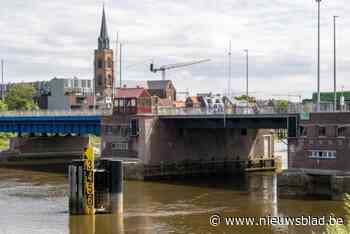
{"x": 163, "y": 89}
{"x": 119, "y": 131}
{"x": 104, "y": 72}
{"x": 323, "y": 142}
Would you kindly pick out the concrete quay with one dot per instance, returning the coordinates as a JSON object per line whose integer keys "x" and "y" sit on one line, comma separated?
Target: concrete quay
{"x": 328, "y": 184}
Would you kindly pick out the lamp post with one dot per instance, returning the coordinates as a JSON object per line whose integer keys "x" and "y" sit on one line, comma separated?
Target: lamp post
{"x": 2, "y": 80}
{"x": 335, "y": 63}
{"x": 318, "y": 57}
{"x": 247, "y": 75}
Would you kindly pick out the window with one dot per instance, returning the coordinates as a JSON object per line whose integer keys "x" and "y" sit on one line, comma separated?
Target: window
{"x": 322, "y": 154}
{"x": 66, "y": 83}
{"x": 76, "y": 83}
{"x": 99, "y": 80}
{"x": 134, "y": 127}
{"x": 83, "y": 83}
{"x": 341, "y": 131}
{"x": 133, "y": 102}
{"x": 89, "y": 84}
{"x": 116, "y": 103}
{"x": 321, "y": 131}
{"x": 100, "y": 63}
{"x": 303, "y": 131}
{"x": 122, "y": 146}
{"x": 110, "y": 63}
{"x": 109, "y": 130}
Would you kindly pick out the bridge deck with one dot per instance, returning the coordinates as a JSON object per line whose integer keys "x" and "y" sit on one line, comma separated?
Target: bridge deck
{"x": 75, "y": 124}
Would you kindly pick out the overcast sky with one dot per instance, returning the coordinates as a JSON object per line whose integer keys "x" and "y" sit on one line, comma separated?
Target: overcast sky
{"x": 43, "y": 39}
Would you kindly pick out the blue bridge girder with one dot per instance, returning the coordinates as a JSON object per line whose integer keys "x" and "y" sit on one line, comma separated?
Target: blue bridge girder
{"x": 69, "y": 124}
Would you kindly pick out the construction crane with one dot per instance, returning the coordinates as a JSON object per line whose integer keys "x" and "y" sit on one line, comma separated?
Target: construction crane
{"x": 172, "y": 66}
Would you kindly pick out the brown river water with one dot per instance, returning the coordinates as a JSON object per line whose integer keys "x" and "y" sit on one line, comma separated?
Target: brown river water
{"x": 37, "y": 203}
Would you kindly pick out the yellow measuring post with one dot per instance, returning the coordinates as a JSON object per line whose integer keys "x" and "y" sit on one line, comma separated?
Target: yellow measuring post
{"x": 89, "y": 191}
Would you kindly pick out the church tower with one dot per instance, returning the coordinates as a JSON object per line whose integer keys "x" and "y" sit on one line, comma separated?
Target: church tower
{"x": 104, "y": 74}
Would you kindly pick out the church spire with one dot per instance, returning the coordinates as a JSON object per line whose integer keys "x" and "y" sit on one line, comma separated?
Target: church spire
{"x": 103, "y": 40}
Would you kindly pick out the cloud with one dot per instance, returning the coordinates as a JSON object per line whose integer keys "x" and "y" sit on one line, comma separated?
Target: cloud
{"x": 40, "y": 40}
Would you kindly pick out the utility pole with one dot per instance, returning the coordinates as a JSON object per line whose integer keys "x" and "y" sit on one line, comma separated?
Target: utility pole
{"x": 318, "y": 57}
{"x": 115, "y": 68}
{"x": 2, "y": 80}
{"x": 335, "y": 64}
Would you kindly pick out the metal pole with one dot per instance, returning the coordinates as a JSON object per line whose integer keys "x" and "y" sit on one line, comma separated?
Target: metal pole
{"x": 247, "y": 73}
{"x": 247, "y": 77}
{"x": 318, "y": 58}
{"x": 335, "y": 64}
{"x": 120, "y": 66}
{"x": 163, "y": 74}
{"x": 2, "y": 79}
{"x": 94, "y": 88}
{"x": 229, "y": 72}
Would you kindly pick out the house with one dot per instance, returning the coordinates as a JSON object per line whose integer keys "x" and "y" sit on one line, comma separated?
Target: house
{"x": 323, "y": 142}
{"x": 162, "y": 88}
{"x": 193, "y": 101}
{"x": 132, "y": 101}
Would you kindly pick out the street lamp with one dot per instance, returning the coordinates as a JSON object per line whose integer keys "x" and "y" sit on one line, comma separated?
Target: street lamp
{"x": 318, "y": 58}
{"x": 247, "y": 76}
{"x": 335, "y": 64}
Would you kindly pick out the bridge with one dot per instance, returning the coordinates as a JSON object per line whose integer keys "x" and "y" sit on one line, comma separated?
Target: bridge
{"x": 40, "y": 122}
{"x": 89, "y": 122}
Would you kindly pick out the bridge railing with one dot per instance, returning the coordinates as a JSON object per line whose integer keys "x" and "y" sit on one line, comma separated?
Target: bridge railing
{"x": 55, "y": 113}
{"x": 251, "y": 110}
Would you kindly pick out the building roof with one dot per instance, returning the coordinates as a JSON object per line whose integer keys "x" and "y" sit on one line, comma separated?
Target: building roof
{"x": 179, "y": 104}
{"x": 131, "y": 93}
{"x": 103, "y": 40}
{"x": 158, "y": 84}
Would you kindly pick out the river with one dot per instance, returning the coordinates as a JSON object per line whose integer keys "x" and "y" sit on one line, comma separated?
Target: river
{"x": 36, "y": 202}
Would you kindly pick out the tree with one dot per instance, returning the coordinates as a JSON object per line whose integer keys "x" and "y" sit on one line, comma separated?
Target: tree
{"x": 20, "y": 97}
{"x": 281, "y": 106}
{"x": 342, "y": 228}
{"x": 3, "y": 106}
{"x": 245, "y": 98}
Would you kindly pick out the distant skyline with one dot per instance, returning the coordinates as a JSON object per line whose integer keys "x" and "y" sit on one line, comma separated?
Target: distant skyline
{"x": 44, "y": 39}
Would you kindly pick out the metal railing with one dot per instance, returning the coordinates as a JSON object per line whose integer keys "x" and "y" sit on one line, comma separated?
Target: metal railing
{"x": 161, "y": 110}
{"x": 55, "y": 113}
{"x": 251, "y": 110}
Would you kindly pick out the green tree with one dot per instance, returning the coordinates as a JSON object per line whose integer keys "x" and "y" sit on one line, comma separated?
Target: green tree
{"x": 342, "y": 228}
{"x": 281, "y": 106}
{"x": 20, "y": 97}
{"x": 3, "y": 106}
{"x": 245, "y": 98}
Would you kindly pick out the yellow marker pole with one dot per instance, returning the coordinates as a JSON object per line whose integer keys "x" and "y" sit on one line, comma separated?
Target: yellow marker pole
{"x": 89, "y": 189}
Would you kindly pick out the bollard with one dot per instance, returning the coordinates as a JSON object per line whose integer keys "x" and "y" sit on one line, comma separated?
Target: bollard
{"x": 76, "y": 189}
{"x": 116, "y": 172}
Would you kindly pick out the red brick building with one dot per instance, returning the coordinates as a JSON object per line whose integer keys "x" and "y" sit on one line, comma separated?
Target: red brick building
{"x": 120, "y": 131}
{"x": 323, "y": 142}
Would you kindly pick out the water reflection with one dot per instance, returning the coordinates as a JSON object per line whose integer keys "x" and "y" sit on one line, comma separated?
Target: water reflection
{"x": 96, "y": 224}
{"x": 40, "y": 202}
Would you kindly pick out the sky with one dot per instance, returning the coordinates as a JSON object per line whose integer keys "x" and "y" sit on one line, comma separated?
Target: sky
{"x": 40, "y": 40}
